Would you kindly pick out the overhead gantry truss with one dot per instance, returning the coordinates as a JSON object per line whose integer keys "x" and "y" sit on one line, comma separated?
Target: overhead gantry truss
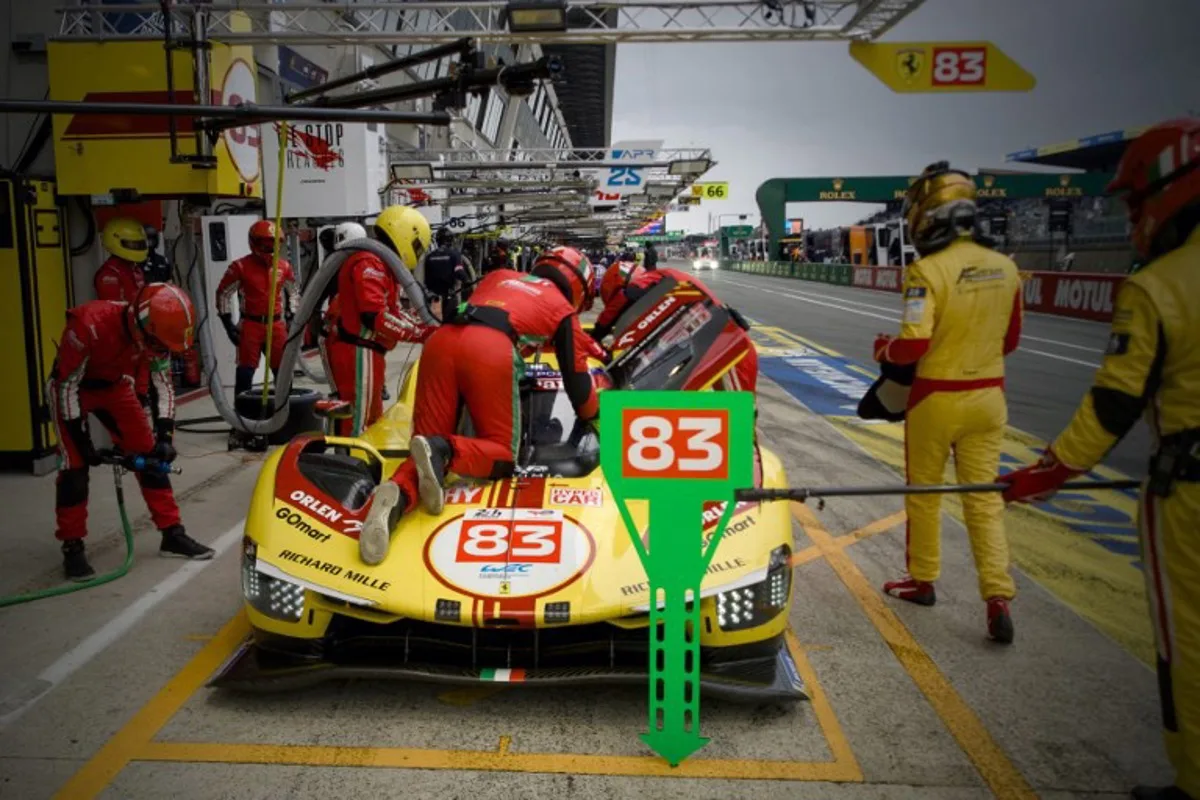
{"x": 432, "y": 22}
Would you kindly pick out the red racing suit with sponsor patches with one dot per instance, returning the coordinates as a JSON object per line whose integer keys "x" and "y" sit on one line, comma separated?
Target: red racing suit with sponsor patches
{"x": 743, "y": 377}
{"x": 369, "y": 324}
{"x": 94, "y": 374}
{"x": 120, "y": 281}
{"x": 249, "y": 280}
{"x": 1152, "y": 368}
{"x": 476, "y": 362}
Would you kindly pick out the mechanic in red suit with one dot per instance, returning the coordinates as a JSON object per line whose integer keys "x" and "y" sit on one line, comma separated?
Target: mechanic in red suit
{"x": 475, "y": 361}
{"x": 104, "y": 346}
{"x": 743, "y": 377}
{"x": 249, "y": 280}
{"x": 370, "y": 321}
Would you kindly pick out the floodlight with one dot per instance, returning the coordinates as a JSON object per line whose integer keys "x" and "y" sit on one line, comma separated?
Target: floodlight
{"x": 536, "y": 16}
{"x": 412, "y": 171}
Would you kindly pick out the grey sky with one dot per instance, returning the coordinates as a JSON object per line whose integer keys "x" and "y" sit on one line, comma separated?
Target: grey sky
{"x": 809, "y": 110}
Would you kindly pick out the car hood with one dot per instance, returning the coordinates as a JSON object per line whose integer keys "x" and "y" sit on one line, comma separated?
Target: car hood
{"x": 521, "y": 551}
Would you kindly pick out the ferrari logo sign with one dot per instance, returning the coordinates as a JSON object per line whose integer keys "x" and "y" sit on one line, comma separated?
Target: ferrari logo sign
{"x": 678, "y": 451}
{"x": 909, "y": 63}
{"x": 942, "y": 67}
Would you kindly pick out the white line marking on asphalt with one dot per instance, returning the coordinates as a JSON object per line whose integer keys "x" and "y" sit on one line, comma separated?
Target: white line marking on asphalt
{"x": 95, "y": 644}
{"x": 896, "y": 318}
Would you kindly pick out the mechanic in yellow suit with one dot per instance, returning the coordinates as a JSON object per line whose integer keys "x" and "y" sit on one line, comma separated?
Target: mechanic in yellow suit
{"x": 1152, "y": 366}
{"x": 962, "y": 316}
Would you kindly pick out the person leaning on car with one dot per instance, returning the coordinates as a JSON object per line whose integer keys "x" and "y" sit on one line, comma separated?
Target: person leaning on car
{"x": 474, "y": 362}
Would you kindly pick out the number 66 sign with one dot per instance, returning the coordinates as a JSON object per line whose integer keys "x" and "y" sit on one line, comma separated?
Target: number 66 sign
{"x": 677, "y": 450}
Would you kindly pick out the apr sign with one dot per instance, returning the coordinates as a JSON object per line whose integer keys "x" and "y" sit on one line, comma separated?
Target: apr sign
{"x": 629, "y": 177}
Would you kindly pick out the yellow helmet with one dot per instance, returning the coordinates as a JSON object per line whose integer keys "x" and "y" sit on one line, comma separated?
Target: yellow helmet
{"x": 126, "y": 238}
{"x": 939, "y": 207}
{"x": 406, "y": 231}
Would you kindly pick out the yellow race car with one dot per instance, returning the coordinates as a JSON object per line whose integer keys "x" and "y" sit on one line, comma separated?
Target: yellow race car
{"x": 528, "y": 579}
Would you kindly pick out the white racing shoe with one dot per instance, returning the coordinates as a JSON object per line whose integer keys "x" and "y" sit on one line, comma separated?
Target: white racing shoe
{"x": 376, "y": 535}
{"x": 431, "y": 454}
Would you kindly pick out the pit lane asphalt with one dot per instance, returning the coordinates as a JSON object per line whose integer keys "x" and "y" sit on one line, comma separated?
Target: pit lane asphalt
{"x": 907, "y": 702}
{"x": 1046, "y": 379}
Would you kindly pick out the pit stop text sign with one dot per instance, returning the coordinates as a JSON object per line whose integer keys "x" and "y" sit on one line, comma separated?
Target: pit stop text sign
{"x": 910, "y": 67}
{"x": 676, "y": 450}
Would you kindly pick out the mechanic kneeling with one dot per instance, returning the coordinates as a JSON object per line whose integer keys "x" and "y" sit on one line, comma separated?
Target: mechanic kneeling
{"x": 1152, "y": 366}
{"x": 475, "y": 361}
{"x": 104, "y": 346}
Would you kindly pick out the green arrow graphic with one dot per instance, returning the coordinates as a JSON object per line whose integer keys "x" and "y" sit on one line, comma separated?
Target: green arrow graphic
{"x": 674, "y": 556}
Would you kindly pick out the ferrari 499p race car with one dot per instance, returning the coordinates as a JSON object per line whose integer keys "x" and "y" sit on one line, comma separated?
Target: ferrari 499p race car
{"x": 529, "y": 579}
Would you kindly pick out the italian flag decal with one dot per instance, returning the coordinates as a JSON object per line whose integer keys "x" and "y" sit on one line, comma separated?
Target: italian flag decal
{"x": 502, "y": 675}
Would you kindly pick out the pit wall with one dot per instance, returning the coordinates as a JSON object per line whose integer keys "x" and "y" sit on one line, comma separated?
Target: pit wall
{"x": 1064, "y": 294}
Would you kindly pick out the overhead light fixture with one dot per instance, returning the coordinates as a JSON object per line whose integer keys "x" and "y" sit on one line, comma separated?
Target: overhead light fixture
{"x": 664, "y": 190}
{"x": 536, "y": 16}
{"x": 689, "y": 167}
{"x": 412, "y": 171}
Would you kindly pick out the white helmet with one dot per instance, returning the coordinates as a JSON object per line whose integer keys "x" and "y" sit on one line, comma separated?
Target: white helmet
{"x": 347, "y": 232}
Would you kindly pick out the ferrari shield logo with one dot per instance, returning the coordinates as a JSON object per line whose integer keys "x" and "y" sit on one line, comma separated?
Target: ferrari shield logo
{"x": 505, "y": 587}
{"x": 909, "y": 64}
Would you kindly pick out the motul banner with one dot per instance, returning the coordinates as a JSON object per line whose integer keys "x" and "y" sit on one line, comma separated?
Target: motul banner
{"x": 1072, "y": 294}
{"x": 885, "y": 279}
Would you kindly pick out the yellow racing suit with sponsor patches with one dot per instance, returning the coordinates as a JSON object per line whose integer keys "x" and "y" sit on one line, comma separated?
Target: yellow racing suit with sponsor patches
{"x": 1152, "y": 366}
{"x": 964, "y": 301}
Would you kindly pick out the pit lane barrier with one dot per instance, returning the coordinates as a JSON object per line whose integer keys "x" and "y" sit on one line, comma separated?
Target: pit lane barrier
{"x": 1080, "y": 295}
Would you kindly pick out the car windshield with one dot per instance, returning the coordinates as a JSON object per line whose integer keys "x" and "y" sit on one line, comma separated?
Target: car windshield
{"x": 552, "y": 436}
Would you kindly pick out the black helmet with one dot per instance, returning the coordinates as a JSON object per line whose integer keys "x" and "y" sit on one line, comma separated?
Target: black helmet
{"x": 151, "y": 236}
{"x": 443, "y": 237}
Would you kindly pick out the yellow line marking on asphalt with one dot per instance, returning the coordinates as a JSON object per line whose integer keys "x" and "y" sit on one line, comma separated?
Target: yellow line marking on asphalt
{"x": 835, "y": 737}
{"x": 993, "y": 765}
{"x": 135, "y": 742}
{"x": 883, "y": 525}
{"x": 129, "y": 742}
{"x": 874, "y": 528}
{"x": 494, "y": 761}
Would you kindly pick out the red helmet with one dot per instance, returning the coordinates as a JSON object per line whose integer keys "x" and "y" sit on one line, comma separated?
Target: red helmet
{"x": 164, "y": 316}
{"x": 571, "y": 272}
{"x": 262, "y": 238}
{"x": 617, "y": 277}
{"x": 1159, "y": 177}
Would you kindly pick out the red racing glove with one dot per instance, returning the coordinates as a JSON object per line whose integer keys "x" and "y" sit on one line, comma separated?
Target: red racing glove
{"x": 1037, "y": 482}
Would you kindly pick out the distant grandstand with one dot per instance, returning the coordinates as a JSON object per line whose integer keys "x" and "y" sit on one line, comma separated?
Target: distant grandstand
{"x": 1088, "y": 234}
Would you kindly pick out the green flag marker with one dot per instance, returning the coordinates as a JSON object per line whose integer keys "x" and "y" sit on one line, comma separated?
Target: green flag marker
{"x": 677, "y": 450}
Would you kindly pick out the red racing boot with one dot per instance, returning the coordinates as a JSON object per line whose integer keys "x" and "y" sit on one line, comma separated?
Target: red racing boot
{"x": 912, "y": 590}
{"x": 1000, "y": 624}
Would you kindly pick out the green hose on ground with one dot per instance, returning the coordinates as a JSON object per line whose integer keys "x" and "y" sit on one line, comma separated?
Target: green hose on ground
{"x": 99, "y": 580}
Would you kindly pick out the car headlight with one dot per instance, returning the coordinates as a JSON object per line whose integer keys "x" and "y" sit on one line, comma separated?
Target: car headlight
{"x": 753, "y": 605}
{"x": 697, "y": 264}
{"x": 275, "y": 597}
